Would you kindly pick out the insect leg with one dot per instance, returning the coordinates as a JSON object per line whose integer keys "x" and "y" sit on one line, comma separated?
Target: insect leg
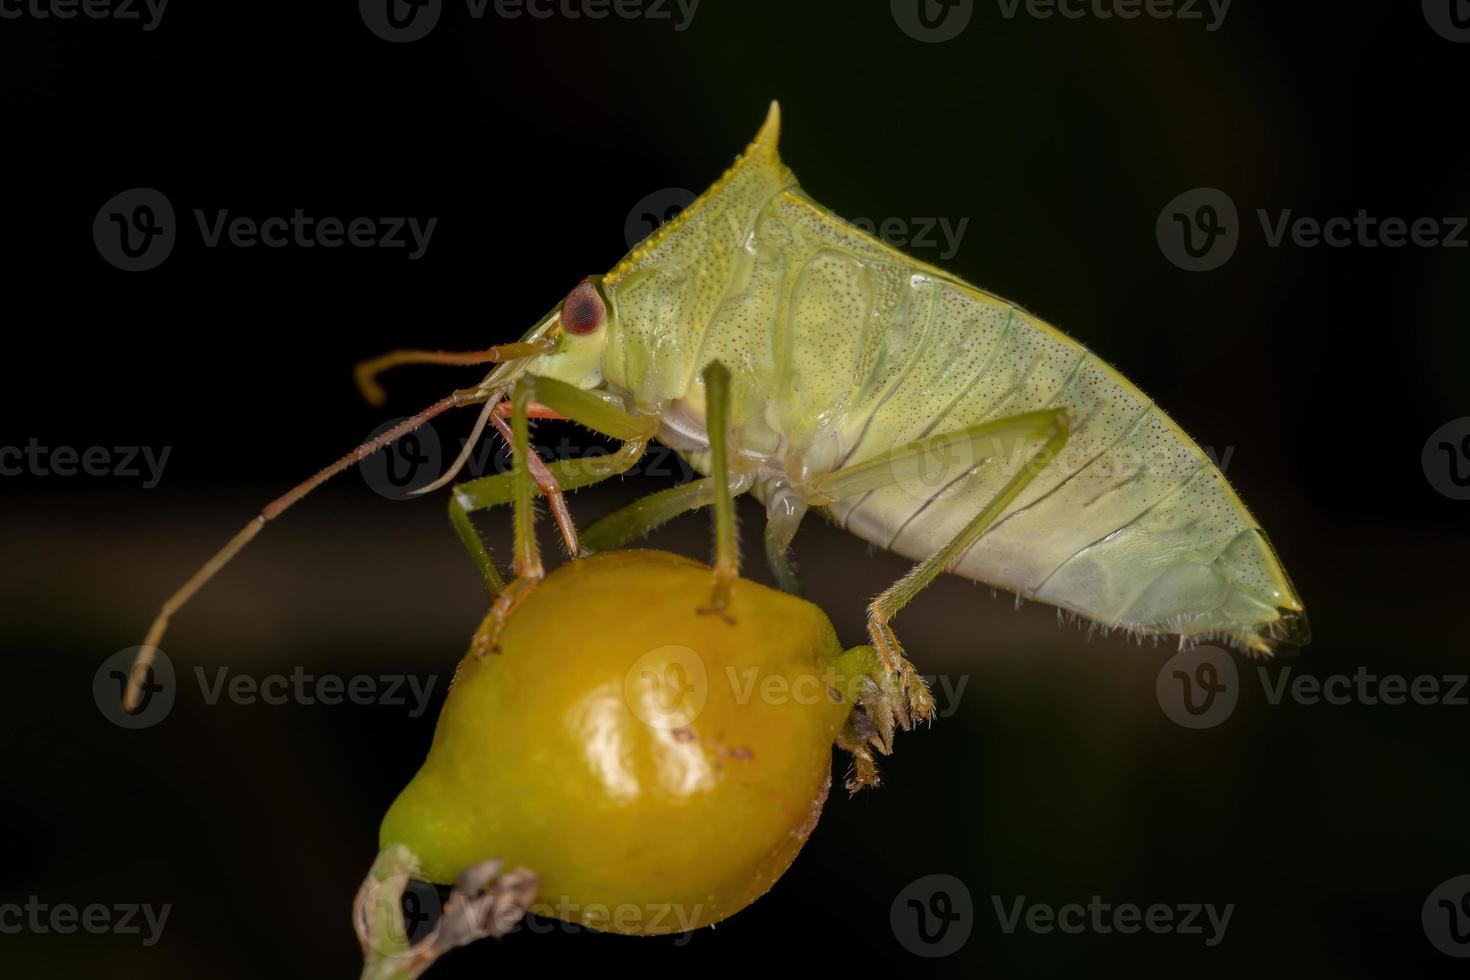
{"x": 856, "y": 740}
{"x": 546, "y": 482}
{"x": 494, "y": 491}
{"x": 1050, "y": 426}
{"x": 655, "y": 510}
{"x": 727, "y": 544}
{"x": 568, "y": 474}
{"x": 528, "y": 568}
{"x": 783, "y": 517}
{"x": 474, "y": 544}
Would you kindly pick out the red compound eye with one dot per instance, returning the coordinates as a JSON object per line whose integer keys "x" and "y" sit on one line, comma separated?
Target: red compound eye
{"x": 582, "y": 311}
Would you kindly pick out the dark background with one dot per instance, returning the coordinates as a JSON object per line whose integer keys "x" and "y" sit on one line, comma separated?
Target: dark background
{"x": 1058, "y": 777}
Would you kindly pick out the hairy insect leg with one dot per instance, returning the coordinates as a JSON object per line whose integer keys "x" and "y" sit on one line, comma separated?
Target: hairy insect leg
{"x": 550, "y": 488}
{"x": 727, "y": 543}
{"x": 1049, "y": 425}
{"x": 547, "y": 398}
{"x": 528, "y": 568}
{"x": 495, "y": 491}
{"x": 475, "y": 545}
{"x": 653, "y": 511}
{"x": 868, "y": 731}
{"x": 783, "y": 517}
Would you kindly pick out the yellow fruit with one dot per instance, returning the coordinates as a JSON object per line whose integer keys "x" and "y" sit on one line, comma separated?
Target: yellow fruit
{"x": 658, "y": 767}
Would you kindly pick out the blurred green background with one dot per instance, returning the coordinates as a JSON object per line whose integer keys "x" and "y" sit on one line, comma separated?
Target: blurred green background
{"x": 1056, "y": 774}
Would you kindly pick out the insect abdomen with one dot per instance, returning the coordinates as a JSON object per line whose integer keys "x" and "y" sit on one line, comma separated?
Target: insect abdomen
{"x": 1132, "y": 526}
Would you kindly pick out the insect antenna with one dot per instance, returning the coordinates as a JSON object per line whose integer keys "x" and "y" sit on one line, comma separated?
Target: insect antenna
{"x": 366, "y": 372}
{"x": 146, "y": 654}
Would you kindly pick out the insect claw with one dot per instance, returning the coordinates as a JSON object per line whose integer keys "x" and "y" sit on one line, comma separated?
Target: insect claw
{"x": 864, "y": 771}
